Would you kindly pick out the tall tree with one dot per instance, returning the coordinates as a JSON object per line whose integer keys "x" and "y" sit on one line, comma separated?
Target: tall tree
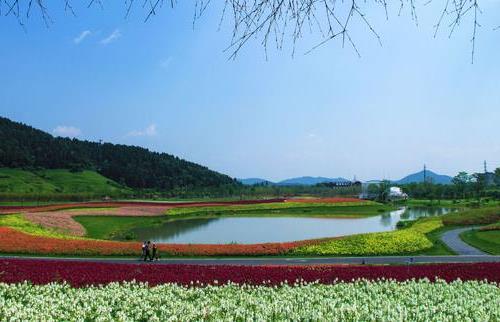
{"x": 479, "y": 184}
{"x": 497, "y": 176}
{"x": 461, "y": 180}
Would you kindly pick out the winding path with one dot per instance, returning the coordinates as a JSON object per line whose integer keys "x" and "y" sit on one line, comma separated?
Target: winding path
{"x": 452, "y": 239}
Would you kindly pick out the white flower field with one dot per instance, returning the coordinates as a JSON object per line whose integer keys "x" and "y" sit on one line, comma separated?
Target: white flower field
{"x": 357, "y": 301}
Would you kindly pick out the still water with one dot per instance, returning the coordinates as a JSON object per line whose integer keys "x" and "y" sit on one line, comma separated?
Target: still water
{"x": 253, "y": 230}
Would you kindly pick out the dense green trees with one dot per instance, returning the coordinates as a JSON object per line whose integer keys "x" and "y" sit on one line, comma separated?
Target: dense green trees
{"x": 465, "y": 186}
{"x": 22, "y": 146}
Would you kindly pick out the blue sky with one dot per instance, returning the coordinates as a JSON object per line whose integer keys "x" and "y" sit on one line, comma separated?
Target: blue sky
{"x": 171, "y": 88}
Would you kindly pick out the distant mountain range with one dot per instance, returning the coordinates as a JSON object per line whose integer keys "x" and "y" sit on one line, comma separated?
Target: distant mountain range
{"x": 300, "y": 181}
{"x": 431, "y": 177}
{"x": 310, "y": 181}
{"x": 252, "y": 181}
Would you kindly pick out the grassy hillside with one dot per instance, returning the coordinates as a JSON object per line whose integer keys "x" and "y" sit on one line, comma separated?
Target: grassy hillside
{"x": 43, "y": 182}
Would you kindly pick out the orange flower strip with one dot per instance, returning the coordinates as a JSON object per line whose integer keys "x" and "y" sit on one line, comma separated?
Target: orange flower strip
{"x": 15, "y": 242}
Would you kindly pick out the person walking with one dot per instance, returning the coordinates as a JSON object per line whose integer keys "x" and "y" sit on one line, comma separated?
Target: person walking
{"x": 154, "y": 254}
{"x": 144, "y": 246}
{"x": 147, "y": 253}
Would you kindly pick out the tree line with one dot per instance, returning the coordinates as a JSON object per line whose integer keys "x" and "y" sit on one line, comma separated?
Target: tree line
{"x": 463, "y": 186}
{"x": 22, "y": 146}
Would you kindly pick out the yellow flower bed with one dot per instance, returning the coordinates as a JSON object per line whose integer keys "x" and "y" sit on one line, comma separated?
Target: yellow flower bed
{"x": 408, "y": 240}
{"x": 18, "y": 222}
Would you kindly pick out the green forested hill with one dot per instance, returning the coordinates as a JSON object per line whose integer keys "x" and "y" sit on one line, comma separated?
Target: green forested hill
{"x": 22, "y": 146}
{"x": 50, "y": 182}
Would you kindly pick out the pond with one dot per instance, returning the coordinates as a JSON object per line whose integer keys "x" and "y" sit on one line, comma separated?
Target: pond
{"x": 253, "y": 230}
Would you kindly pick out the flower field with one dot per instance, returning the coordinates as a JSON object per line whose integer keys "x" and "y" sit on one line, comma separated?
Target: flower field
{"x": 495, "y": 226}
{"x": 48, "y": 290}
{"x": 55, "y": 232}
{"x": 13, "y": 241}
{"x": 482, "y": 216}
{"x": 358, "y": 301}
{"x": 116, "y": 204}
{"x": 409, "y": 240}
{"x": 20, "y": 236}
{"x": 82, "y": 273}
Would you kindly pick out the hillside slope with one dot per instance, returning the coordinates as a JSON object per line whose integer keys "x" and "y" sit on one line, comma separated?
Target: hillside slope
{"x": 22, "y": 146}
{"x": 42, "y": 182}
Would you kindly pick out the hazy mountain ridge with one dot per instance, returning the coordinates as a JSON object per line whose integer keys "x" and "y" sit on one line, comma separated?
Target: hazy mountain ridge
{"x": 298, "y": 181}
{"x": 430, "y": 176}
{"x": 417, "y": 177}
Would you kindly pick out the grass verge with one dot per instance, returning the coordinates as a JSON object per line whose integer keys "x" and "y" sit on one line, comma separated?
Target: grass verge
{"x": 487, "y": 241}
{"x": 358, "y": 209}
{"x": 115, "y": 227}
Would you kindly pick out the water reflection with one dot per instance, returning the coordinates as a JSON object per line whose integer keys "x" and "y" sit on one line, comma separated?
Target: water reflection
{"x": 172, "y": 229}
{"x": 250, "y": 230}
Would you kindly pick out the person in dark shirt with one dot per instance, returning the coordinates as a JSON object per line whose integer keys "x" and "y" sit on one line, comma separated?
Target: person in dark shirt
{"x": 147, "y": 253}
{"x": 154, "y": 254}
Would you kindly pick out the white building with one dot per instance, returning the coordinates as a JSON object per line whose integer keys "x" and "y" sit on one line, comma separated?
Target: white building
{"x": 396, "y": 193}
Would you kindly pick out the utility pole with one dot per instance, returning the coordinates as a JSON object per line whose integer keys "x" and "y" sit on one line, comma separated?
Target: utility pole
{"x": 485, "y": 167}
{"x": 425, "y": 173}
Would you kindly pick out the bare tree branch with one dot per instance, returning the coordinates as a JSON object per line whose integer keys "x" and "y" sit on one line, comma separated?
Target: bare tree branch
{"x": 275, "y": 21}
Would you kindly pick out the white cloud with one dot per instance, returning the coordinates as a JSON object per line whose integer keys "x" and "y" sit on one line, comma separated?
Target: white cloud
{"x": 166, "y": 62}
{"x": 67, "y": 131}
{"x": 84, "y": 34}
{"x": 112, "y": 37}
{"x": 149, "y": 131}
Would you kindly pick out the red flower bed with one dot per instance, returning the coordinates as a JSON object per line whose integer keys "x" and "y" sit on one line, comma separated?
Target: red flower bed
{"x": 88, "y": 273}
{"x": 15, "y": 242}
{"x": 326, "y": 200}
{"x": 10, "y": 209}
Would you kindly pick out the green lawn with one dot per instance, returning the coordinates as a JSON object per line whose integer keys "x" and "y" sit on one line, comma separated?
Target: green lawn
{"x": 439, "y": 248}
{"x": 40, "y": 182}
{"x": 487, "y": 241}
{"x": 435, "y": 203}
{"x": 362, "y": 209}
{"x": 474, "y": 216}
{"x": 115, "y": 227}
